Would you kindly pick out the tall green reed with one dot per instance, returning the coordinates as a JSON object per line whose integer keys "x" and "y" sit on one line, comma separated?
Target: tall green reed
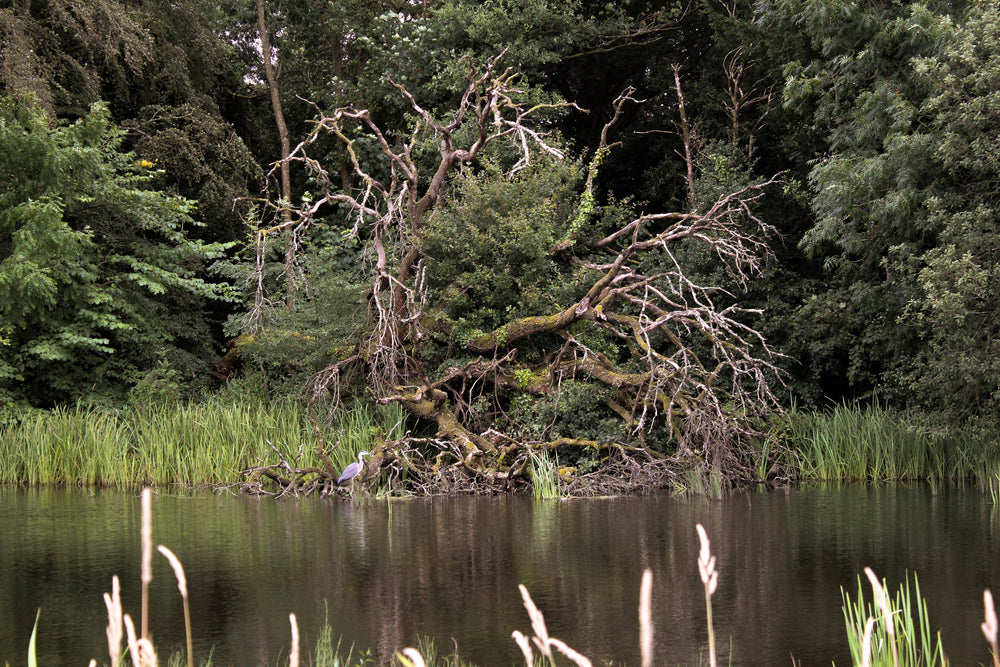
{"x": 209, "y": 444}
{"x": 79, "y": 445}
{"x": 545, "y": 481}
{"x": 872, "y": 443}
{"x": 891, "y": 631}
{"x": 701, "y": 482}
{"x": 185, "y": 444}
{"x": 361, "y": 427}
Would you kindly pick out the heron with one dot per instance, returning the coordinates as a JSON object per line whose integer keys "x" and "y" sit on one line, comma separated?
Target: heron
{"x": 352, "y": 471}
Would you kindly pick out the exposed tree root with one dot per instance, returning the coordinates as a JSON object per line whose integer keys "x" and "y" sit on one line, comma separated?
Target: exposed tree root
{"x": 432, "y": 466}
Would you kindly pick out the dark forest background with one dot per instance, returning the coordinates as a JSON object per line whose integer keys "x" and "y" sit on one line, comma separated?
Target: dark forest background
{"x": 151, "y": 246}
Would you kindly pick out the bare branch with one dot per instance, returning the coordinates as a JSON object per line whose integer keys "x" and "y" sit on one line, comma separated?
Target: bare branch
{"x": 392, "y": 211}
{"x": 685, "y": 355}
{"x": 742, "y": 96}
{"x": 686, "y": 130}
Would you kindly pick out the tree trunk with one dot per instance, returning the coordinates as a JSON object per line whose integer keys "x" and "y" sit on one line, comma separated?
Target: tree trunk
{"x": 279, "y": 116}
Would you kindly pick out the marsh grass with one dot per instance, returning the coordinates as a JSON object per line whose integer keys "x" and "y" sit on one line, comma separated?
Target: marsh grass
{"x": 360, "y": 428}
{"x": 891, "y": 631}
{"x": 545, "y": 481}
{"x": 429, "y": 654}
{"x": 872, "y": 443}
{"x": 82, "y": 445}
{"x": 184, "y": 444}
{"x": 701, "y": 482}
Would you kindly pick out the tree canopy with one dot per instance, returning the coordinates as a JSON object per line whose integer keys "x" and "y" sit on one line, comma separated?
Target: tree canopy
{"x": 577, "y": 225}
{"x": 94, "y": 267}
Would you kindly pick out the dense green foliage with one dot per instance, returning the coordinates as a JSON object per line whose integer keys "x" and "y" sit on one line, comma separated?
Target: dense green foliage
{"x": 94, "y": 268}
{"x": 134, "y": 139}
{"x": 905, "y": 210}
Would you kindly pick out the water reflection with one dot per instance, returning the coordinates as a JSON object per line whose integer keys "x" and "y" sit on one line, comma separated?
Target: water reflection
{"x": 385, "y": 573}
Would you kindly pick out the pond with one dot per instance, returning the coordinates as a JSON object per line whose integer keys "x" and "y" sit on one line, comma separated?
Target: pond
{"x": 385, "y": 573}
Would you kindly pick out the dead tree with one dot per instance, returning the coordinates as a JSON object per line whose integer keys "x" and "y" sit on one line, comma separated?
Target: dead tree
{"x": 694, "y": 363}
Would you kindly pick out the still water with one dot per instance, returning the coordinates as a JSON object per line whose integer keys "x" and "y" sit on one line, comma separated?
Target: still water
{"x": 385, "y": 573}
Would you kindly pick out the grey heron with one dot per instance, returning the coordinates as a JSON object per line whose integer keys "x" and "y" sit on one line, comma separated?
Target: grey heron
{"x": 353, "y": 470}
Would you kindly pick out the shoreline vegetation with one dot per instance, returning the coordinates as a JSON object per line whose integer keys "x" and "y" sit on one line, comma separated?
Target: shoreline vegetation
{"x": 279, "y": 448}
{"x": 498, "y": 236}
{"x": 566, "y": 249}
{"x": 887, "y": 630}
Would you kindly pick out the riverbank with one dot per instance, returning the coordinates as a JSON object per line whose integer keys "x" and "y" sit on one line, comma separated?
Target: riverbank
{"x": 270, "y": 448}
{"x": 192, "y": 445}
{"x": 874, "y": 444}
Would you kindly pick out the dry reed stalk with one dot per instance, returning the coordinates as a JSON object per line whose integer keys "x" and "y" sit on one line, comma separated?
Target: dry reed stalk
{"x": 114, "y": 632}
{"x": 577, "y": 658}
{"x": 414, "y": 657}
{"x": 141, "y": 649}
{"x": 710, "y": 578}
{"x": 646, "y": 618}
{"x": 293, "y": 655}
{"x": 989, "y": 626}
{"x": 175, "y": 563}
{"x": 882, "y": 600}
{"x": 542, "y": 639}
{"x": 147, "y": 556}
{"x": 525, "y": 644}
{"x": 866, "y": 643}
{"x": 133, "y": 648}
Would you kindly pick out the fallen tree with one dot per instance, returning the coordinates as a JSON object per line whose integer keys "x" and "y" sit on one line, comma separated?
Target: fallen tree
{"x": 605, "y": 307}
